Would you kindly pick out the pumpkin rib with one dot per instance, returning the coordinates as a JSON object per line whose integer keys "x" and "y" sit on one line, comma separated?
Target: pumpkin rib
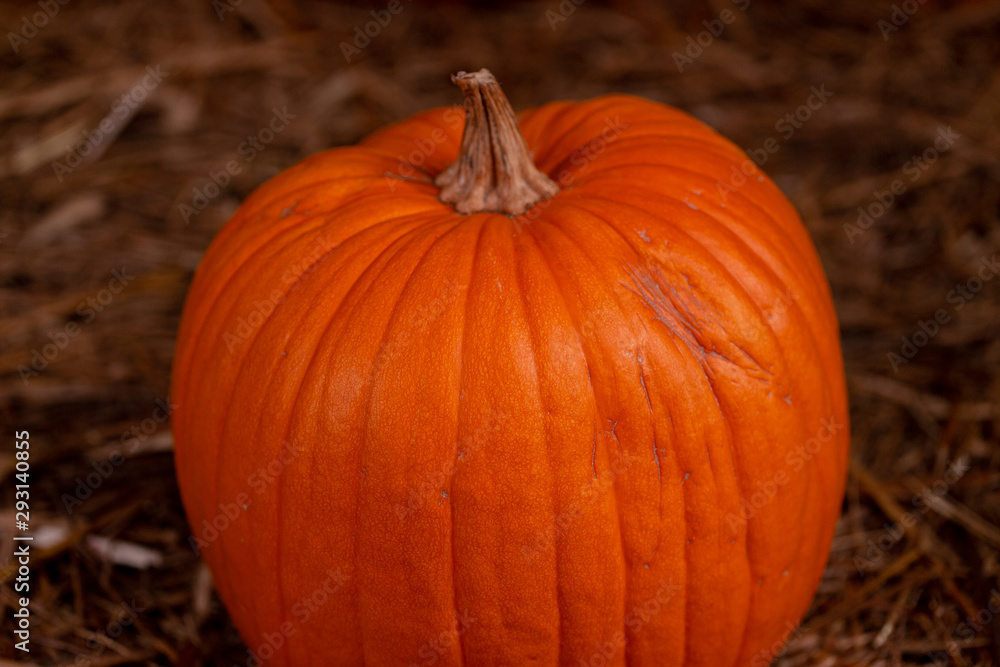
{"x": 620, "y": 150}
{"x": 694, "y": 357}
{"x": 626, "y": 577}
{"x": 453, "y": 566}
{"x": 399, "y": 240}
{"x": 226, "y": 259}
{"x": 397, "y": 138}
{"x": 340, "y": 161}
{"x": 809, "y": 497}
{"x": 369, "y": 388}
{"x": 375, "y": 367}
{"x": 798, "y": 241}
{"x": 805, "y": 257}
{"x": 536, "y": 122}
{"x": 720, "y": 228}
{"x": 546, "y": 260}
{"x": 279, "y": 489}
{"x": 211, "y": 307}
{"x": 557, "y": 118}
{"x": 620, "y": 306}
{"x": 520, "y": 271}
{"x": 627, "y": 175}
{"x": 360, "y": 303}
{"x": 709, "y": 374}
{"x": 255, "y": 253}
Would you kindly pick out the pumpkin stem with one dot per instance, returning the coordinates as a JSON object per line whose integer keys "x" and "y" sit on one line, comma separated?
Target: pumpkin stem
{"x": 494, "y": 171}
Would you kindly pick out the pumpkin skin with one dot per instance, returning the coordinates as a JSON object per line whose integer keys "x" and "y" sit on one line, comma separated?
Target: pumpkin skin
{"x": 614, "y": 428}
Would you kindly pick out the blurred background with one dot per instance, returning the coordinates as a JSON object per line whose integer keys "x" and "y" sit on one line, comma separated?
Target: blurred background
{"x": 878, "y": 119}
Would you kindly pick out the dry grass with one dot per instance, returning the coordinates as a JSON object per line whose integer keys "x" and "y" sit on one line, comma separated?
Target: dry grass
{"x": 933, "y": 423}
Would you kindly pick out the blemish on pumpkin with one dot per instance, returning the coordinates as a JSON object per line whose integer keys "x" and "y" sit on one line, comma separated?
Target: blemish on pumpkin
{"x": 668, "y": 310}
{"x": 593, "y": 455}
{"x": 788, "y": 399}
{"x": 642, "y": 235}
{"x": 612, "y": 431}
{"x": 642, "y": 381}
{"x": 288, "y": 211}
{"x": 686, "y": 475}
{"x": 656, "y": 460}
{"x": 690, "y": 205}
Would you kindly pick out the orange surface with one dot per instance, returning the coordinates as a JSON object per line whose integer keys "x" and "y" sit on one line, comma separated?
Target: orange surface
{"x": 546, "y": 427}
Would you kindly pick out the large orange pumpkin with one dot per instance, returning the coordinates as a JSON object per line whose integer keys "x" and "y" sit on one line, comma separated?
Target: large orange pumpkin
{"x": 591, "y": 413}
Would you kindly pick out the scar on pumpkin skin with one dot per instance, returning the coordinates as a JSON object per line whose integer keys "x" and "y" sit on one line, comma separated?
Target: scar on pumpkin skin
{"x": 668, "y": 312}
{"x": 412, "y": 179}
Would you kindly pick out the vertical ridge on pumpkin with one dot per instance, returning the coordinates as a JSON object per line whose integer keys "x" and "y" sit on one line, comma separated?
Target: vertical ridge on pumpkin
{"x": 524, "y": 251}
{"x": 464, "y": 319}
{"x": 556, "y": 253}
{"x": 412, "y": 574}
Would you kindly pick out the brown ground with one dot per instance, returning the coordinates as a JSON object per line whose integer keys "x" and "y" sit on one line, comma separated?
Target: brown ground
{"x": 933, "y": 421}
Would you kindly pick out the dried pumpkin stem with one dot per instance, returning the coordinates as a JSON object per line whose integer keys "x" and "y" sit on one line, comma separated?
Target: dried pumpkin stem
{"x": 494, "y": 171}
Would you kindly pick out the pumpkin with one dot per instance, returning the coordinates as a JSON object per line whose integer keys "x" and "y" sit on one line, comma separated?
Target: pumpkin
{"x": 478, "y": 391}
